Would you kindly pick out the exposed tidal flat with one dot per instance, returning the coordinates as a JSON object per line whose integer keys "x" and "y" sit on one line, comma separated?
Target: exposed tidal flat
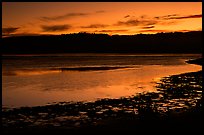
{"x": 176, "y": 105}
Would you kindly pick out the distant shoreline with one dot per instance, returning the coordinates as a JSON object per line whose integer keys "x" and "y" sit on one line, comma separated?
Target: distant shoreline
{"x": 178, "y": 42}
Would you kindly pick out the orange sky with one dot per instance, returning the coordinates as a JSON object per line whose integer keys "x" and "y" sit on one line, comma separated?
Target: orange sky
{"x": 24, "y": 18}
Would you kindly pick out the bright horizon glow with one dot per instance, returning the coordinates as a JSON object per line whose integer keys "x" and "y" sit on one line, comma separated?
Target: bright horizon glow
{"x": 123, "y": 18}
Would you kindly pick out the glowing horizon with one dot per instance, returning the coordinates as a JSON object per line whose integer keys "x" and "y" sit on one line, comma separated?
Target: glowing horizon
{"x": 123, "y": 18}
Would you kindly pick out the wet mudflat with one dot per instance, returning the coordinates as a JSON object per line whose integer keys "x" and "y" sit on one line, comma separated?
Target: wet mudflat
{"x": 175, "y": 106}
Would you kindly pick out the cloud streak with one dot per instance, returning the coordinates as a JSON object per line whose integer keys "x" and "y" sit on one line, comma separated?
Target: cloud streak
{"x": 186, "y": 17}
{"x": 61, "y": 17}
{"x": 158, "y": 20}
{"x": 165, "y": 17}
{"x": 100, "y": 11}
{"x": 159, "y": 31}
{"x": 95, "y": 26}
{"x": 67, "y": 16}
{"x": 148, "y": 27}
{"x": 155, "y": 31}
{"x": 55, "y": 28}
{"x": 126, "y": 16}
{"x": 136, "y": 22}
{"x": 176, "y": 16}
{"x": 122, "y": 30}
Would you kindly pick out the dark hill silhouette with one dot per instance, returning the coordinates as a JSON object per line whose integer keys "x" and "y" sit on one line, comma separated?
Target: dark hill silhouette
{"x": 177, "y": 42}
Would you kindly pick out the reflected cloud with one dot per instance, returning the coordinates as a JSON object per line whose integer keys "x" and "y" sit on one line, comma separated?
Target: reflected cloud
{"x": 28, "y": 72}
{"x": 91, "y": 68}
{"x": 57, "y": 70}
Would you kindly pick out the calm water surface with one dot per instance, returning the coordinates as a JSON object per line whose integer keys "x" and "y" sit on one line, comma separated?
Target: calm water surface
{"x": 30, "y": 80}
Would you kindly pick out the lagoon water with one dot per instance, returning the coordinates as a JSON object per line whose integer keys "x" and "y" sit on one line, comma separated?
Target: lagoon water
{"x": 32, "y": 80}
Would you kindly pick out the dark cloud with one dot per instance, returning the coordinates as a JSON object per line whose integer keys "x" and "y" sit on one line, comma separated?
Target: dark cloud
{"x": 126, "y": 16}
{"x": 95, "y": 26}
{"x": 60, "y": 17}
{"x": 67, "y": 16}
{"x": 101, "y": 11}
{"x": 136, "y": 22}
{"x": 148, "y": 27}
{"x": 55, "y": 28}
{"x": 158, "y": 20}
{"x": 9, "y": 30}
{"x": 186, "y": 17}
{"x": 111, "y": 30}
{"x": 177, "y": 16}
{"x": 128, "y": 23}
{"x": 165, "y": 16}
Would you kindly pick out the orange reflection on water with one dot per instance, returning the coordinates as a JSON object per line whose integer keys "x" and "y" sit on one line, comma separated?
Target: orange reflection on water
{"x": 29, "y": 72}
{"x": 32, "y": 88}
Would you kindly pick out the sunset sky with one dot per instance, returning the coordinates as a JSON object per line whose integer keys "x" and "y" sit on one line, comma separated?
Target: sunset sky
{"x": 28, "y": 18}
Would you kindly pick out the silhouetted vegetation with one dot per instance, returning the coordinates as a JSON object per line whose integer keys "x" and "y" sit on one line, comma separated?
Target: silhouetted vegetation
{"x": 177, "y": 42}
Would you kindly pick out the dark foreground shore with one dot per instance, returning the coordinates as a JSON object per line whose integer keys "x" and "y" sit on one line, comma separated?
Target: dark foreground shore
{"x": 175, "y": 107}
